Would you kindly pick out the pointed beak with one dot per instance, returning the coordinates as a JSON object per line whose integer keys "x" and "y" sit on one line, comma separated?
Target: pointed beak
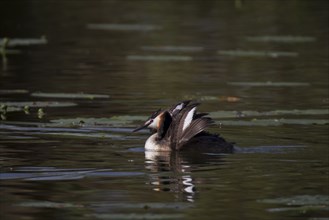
{"x": 142, "y": 127}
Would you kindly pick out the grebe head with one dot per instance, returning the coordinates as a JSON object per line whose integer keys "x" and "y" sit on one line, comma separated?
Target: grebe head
{"x": 152, "y": 122}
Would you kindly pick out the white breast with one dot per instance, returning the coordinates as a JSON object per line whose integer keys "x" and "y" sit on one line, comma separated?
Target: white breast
{"x": 152, "y": 144}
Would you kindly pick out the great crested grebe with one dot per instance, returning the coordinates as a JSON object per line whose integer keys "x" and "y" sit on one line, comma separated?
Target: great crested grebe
{"x": 181, "y": 128}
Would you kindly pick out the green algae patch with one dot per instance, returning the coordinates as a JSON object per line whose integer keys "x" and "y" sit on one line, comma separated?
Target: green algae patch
{"x": 274, "y": 122}
{"x": 240, "y": 114}
{"x": 136, "y": 216}
{"x": 12, "y": 42}
{"x": 269, "y": 84}
{"x": 112, "y": 121}
{"x": 254, "y": 53}
{"x": 98, "y": 135}
{"x": 170, "y": 48}
{"x": 299, "y": 203}
{"x": 281, "y": 39}
{"x": 38, "y": 104}
{"x": 299, "y": 200}
{"x": 124, "y": 27}
{"x": 13, "y": 91}
{"x": 160, "y": 58}
{"x": 252, "y": 118}
{"x": 48, "y": 204}
{"x": 69, "y": 95}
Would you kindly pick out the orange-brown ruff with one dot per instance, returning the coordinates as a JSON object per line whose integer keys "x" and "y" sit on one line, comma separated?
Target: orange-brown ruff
{"x": 181, "y": 128}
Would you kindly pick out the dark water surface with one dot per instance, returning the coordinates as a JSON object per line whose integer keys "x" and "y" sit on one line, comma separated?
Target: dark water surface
{"x": 77, "y": 76}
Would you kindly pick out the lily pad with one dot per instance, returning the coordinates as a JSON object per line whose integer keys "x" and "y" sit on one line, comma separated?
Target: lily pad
{"x": 24, "y": 41}
{"x": 13, "y": 91}
{"x": 202, "y": 98}
{"x": 28, "y": 141}
{"x": 3, "y": 137}
{"x": 212, "y": 98}
{"x": 300, "y": 203}
{"x": 38, "y": 104}
{"x": 86, "y": 135}
{"x": 267, "y": 149}
{"x": 163, "y": 58}
{"x": 113, "y": 121}
{"x": 281, "y": 39}
{"x": 176, "y": 205}
{"x": 299, "y": 200}
{"x": 9, "y": 51}
{"x": 173, "y": 48}
{"x": 48, "y": 204}
{"x": 239, "y": 114}
{"x": 137, "y": 216}
{"x": 9, "y": 109}
{"x": 254, "y": 53}
{"x": 269, "y": 84}
{"x": 58, "y": 174}
{"x": 274, "y": 122}
{"x": 302, "y": 209}
{"x": 124, "y": 27}
{"x": 69, "y": 95}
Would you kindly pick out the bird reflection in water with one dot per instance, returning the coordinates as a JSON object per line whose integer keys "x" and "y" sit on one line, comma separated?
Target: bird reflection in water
{"x": 173, "y": 172}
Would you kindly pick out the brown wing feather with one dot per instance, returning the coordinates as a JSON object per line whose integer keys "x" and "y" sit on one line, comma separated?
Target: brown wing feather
{"x": 197, "y": 126}
{"x": 200, "y": 115}
{"x": 173, "y": 109}
{"x": 181, "y": 119}
{"x": 176, "y": 127}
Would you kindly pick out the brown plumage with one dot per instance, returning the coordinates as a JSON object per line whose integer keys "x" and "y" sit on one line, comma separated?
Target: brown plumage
{"x": 181, "y": 128}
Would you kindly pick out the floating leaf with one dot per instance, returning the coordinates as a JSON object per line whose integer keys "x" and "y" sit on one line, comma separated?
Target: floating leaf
{"x": 124, "y": 27}
{"x": 137, "y": 216}
{"x": 212, "y": 98}
{"x": 55, "y": 174}
{"x": 175, "y": 205}
{"x": 299, "y": 203}
{"x": 86, "y": 135}
{"x": 229, "y": 98}
{"x": 278, "y": 149}
{"x": 239, "y": 114}
{"x": 69, "y": 95}
{"x": 26, "y": 110}
{"x": 3, "y": 108}
{"x": 16, "y": 137}
{"x": 13, "y": 91}
{"x": 253, "y": 53}
{"x": 274, "y": 122}
{"x": 41, "y": 113}
{"x": 173, "y": 48}
{"x": 25, "y": 41}
{"x": 269, "y": 84}
{"x": 127, "y": 118}
{"x": 38, "y": 104}
{"x": 166, "y": 58}
{"x": 202, "y": 98}
{"x": 26, "y": 141}
{"x": 302, "y": 209}
{"x": 3, "y": 116}
{"x": 9, "y": 51}
{"x": 115, "y": 120}
{"x": 282, "y": 39}
{"x": 48, "y": 204}
{"x": 299, "y": 200}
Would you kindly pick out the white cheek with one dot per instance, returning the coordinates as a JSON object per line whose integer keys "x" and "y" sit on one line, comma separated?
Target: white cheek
{"x": 154, "y": 124}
